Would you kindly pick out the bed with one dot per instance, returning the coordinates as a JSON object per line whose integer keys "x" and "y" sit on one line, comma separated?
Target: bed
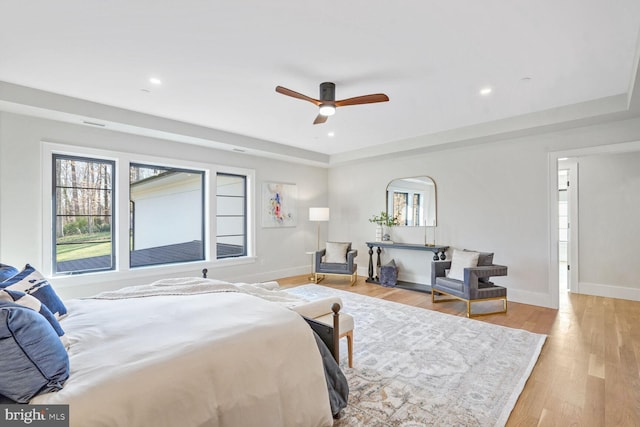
{"x": 214, "y": 357}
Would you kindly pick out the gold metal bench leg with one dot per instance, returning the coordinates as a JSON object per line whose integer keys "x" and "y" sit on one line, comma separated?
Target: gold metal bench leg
{"x": 454, "y": 298}
{"x": 441, "y": 294}
{"x": 503, "y": 311}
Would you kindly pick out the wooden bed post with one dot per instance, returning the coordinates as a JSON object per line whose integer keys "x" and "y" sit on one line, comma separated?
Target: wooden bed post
{"x": 336, "y": 331}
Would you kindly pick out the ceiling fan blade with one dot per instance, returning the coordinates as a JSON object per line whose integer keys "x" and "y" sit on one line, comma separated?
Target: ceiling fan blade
{"x": 294, "y": 94}
{"x": 320, "y": 119}
{"x": 365, "y": 99}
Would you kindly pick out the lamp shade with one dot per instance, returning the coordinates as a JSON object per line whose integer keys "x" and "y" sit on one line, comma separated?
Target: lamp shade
{"x": 318, "y": 214}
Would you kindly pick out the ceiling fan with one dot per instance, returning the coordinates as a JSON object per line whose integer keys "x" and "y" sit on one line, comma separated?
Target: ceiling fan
{"x": 327, "y": 101}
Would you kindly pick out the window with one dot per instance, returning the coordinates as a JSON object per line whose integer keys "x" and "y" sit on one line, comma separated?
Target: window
{"x": 407, "y": 207}
{"x": 115, "y": 211}
{"x": 167, "y": 215}
{"x": 231, "y": 215}
{"x": 83, "y": 214}
{"x": 400, "y": 202}
{"x": 416, "y": 208}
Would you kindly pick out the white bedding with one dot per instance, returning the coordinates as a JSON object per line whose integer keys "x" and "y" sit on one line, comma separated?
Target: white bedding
{"x": 215, "y": 359}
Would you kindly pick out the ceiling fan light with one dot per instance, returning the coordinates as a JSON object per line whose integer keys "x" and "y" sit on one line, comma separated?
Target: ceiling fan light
{"x": 327, "y": 110}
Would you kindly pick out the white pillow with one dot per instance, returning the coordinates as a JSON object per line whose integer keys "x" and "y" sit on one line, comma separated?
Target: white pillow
{"x": 336, "y": 252}
{"x": 461, "y": 260}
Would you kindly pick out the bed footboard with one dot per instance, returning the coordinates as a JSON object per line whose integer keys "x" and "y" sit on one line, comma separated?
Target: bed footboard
{"x": 330, "y": 335}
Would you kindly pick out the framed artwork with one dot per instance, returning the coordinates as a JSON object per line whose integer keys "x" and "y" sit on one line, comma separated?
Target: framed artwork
{"x": 279, "y": 205}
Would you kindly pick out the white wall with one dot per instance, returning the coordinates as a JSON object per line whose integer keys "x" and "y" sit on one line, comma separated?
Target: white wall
{"x": 167, "y": 214}
{"x": 280, "y": 251}
{"x": 491, "y": 197}
{"x": 609, "y": 228}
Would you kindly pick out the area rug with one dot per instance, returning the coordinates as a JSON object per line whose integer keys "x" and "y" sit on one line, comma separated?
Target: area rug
{"x": 417, "y": 367}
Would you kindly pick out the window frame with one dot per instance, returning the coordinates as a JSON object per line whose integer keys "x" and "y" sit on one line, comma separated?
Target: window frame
{"x": 203, "y": 201}
{"x": 122, "y": 268}
{"x": 54, "y": 215}
{"x": 245, "y": 215}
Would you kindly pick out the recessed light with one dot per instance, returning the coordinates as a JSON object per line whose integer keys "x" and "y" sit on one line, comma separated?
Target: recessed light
{"x": 332, "y": 134}
{"x": 525, "y": 79}
{"x": 486, "y": 91}
{"x": 155, "y": 81}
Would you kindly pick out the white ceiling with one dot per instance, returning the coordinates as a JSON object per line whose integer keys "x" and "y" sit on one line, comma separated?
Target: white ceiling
{"x": 220, "y": 61}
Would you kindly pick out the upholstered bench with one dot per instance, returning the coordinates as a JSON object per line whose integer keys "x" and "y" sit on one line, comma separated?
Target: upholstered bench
{"x": 320, "y": 311}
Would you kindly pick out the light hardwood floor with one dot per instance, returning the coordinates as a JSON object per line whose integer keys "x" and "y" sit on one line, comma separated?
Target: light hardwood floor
{"x": 588, "y": 373}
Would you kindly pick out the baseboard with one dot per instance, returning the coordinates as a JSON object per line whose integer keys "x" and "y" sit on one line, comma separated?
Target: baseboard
{"x": 608, "y": 291}
{"x": 364, "y": 272}
{"x": 531, "y": 298}
{"x": 515, "y": 295}
{"x": 270, "y": 275}
{"x": 415, "y": 279}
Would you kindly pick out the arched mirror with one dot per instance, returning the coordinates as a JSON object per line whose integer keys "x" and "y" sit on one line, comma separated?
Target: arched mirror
{"x": 413, "y": 201}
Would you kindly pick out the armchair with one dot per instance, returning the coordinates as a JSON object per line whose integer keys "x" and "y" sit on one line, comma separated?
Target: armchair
{"x": 336, "y": 259}
{"x": 473, "y": 285}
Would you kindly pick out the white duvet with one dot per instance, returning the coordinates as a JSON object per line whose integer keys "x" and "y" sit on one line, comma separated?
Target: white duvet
{"x": 215, "y": 359}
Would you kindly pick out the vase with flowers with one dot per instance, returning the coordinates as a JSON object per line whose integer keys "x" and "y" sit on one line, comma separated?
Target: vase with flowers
{"x": 383, "y": 220}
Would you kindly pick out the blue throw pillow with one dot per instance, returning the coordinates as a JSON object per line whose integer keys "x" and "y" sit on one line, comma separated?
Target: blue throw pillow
{"x": 7, "y": 272}
{"x": 32, "y": 358}
{"x": 33, "y": 283}
{"x": 33, "y": 303}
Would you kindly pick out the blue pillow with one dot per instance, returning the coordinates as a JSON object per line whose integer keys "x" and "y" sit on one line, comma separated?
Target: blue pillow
{"x": 33, "y": 303}
{"x": 32, "y": 358}
{"x": 7, "y": 271}
{"x": 33, "y": 283}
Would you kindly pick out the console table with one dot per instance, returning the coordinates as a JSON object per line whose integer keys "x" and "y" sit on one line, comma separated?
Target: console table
{"x": 438, "y": 253}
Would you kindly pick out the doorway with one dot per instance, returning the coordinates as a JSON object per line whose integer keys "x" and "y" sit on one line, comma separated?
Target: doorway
{"x": 567, "y": 224}
{"x": 569, "y": 159}
{"x": 563, "y": 230}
